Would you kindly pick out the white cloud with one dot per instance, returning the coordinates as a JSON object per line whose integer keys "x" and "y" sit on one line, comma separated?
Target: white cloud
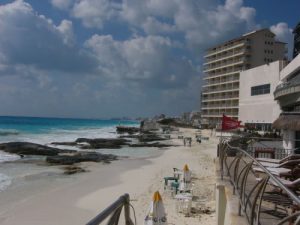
{"x": 153, "y": 26}
{"x": 94, "y": 13}
{"x": 66, "y": 28}
{"x": 148, "y": 60}
{"x": 28, "y": 38}
{"x": 62, "y": 4}
{"x": 201, "y": 22}
{"x": 284, "y": 33}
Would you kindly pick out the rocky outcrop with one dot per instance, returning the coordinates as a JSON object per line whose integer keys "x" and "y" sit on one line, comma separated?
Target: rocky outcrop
{"x": 80, "y": 157}
{"x": 71, "y": 143}
{"x": 27, "y": 148}
{"x": 156, "y": 144}
{"x": 129, "y": 130}
{"x": 97, "y": 143}
{"x": 150, "y": 137}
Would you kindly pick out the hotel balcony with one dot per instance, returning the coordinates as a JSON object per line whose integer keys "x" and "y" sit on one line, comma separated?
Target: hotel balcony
{"x": 226, "y": 47}
{"x": 219, "y": 98}
{"x": 227, "y": 55}
{"x": 220, "y": 89}
{"x": 229, "y": 80}
{"x": 228, "y": 63}
{"x": 220, "y": 106}
{"x": 234, "y": 115}
{"x": 218, "y": 74}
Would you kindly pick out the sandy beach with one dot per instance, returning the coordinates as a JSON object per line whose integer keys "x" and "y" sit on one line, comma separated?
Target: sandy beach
{"x": 60, "y": 199}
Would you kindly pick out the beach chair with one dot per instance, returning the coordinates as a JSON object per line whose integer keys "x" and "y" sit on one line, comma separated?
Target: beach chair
{"x": 279, "y": 198}
{"x": 290, "y": 164}
{"x": 279, "y": 161}
{"x": 280, "y": 172}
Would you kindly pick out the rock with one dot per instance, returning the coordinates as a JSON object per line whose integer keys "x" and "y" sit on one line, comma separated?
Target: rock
{"x": 80, "y": 157}
{"x": 27, "y": 148}
{"x": 73, "y": 169}
{"x": 129, "y": 130}
{"x": 130, "y": 136}
{"x": 150, "y": 137}
{"x": 71, "y": 143}
{"x": 156, "y": 144}
{"x": 111, "y": 143}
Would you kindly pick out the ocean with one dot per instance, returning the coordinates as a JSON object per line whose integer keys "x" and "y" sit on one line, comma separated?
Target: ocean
{"x": 47, "y": 130}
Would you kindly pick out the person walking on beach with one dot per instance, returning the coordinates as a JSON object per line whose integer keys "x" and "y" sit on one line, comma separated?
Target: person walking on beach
{"x": 190, "y": 141}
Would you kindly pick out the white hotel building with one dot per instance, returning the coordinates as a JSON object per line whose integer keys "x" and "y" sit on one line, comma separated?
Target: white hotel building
{"x": 222, "y": 67}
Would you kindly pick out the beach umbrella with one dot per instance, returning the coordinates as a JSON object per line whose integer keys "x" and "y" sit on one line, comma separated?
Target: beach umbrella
{"x": 186, "y": 174}
{"x": 156, "y": 214}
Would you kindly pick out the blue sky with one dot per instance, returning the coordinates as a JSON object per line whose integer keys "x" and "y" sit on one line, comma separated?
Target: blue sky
{"x": 109, "y": 58}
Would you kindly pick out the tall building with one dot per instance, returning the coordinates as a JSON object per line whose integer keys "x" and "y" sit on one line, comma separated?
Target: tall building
{"x": 296, "y": 40}
{"x": 222, "y": 67}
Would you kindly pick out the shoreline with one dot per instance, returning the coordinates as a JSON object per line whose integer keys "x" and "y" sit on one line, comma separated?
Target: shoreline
{"x": 78, "y": 198}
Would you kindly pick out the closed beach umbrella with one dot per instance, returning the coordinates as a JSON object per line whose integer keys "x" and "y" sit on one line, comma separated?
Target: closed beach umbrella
{"x": 156, "y": 214}
{"x": 186, "y": 174}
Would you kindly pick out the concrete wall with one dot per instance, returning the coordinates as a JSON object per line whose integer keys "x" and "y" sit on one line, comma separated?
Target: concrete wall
{"x": 264, "y": 47}
{"x": 292, "y": 67}
{"x": 259, "y": 108}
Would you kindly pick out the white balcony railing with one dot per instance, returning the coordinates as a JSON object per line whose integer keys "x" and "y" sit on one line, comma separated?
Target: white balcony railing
{"x": 228, "y": 55}
{"x": 225, "y": 48}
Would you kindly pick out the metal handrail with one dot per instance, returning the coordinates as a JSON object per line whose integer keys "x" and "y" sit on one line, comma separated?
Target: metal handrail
{"x": 114, "y": 210}
{"x": 239, "y": 167}
{"x": 275, "y": 179}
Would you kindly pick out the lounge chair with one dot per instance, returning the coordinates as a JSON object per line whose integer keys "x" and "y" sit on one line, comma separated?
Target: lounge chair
{"x": 279, "y": 161}
{"x": 280, "y": 172}
{"x": 290, "y": 164}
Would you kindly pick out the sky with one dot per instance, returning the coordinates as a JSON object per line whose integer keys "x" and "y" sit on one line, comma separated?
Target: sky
{"x": 114, "y": 58}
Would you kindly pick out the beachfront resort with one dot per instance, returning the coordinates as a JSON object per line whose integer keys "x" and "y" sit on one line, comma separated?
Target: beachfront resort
{"x": 149, "y": 112}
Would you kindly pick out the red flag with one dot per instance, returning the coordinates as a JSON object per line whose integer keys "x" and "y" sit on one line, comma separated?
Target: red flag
{"x": 228, "y": 123}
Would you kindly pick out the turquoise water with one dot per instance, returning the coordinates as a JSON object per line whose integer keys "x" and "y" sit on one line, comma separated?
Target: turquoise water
{"x": 47, "y": 130}
{"x": 10, "y": 125}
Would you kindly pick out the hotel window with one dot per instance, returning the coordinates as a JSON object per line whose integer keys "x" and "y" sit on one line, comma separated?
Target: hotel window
{"x": 260, "y": 90}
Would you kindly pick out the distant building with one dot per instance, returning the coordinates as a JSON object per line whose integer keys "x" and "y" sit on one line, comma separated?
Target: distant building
{"x": 287, "y": 94}
{"x": 192, "y": 118}
{"x": 222, "y": 67}
{"x": 257, "y": 107}
{"x": 296, "y": 32}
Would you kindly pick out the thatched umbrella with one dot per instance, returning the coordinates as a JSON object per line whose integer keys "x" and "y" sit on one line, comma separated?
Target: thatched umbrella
{"x": 287, "y": 122}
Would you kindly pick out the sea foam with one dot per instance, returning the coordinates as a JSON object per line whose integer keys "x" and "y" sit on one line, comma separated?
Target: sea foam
{"x": 5, "y": 181}
{"x": 6, "y": 157}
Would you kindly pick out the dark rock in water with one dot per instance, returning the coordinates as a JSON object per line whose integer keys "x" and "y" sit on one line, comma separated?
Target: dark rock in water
{"x": 111, "y": 143}
{"x": 130, "y": 136}
{"x": 27, "y": 148}
{"x": 71, "y": 143}
{"x": 73, "y": 169}
{"x": 129, "y": 130}
{"x": 80, "y": 157}
{"x": 156, "y": 144}
{"x": 150, "y": 137}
